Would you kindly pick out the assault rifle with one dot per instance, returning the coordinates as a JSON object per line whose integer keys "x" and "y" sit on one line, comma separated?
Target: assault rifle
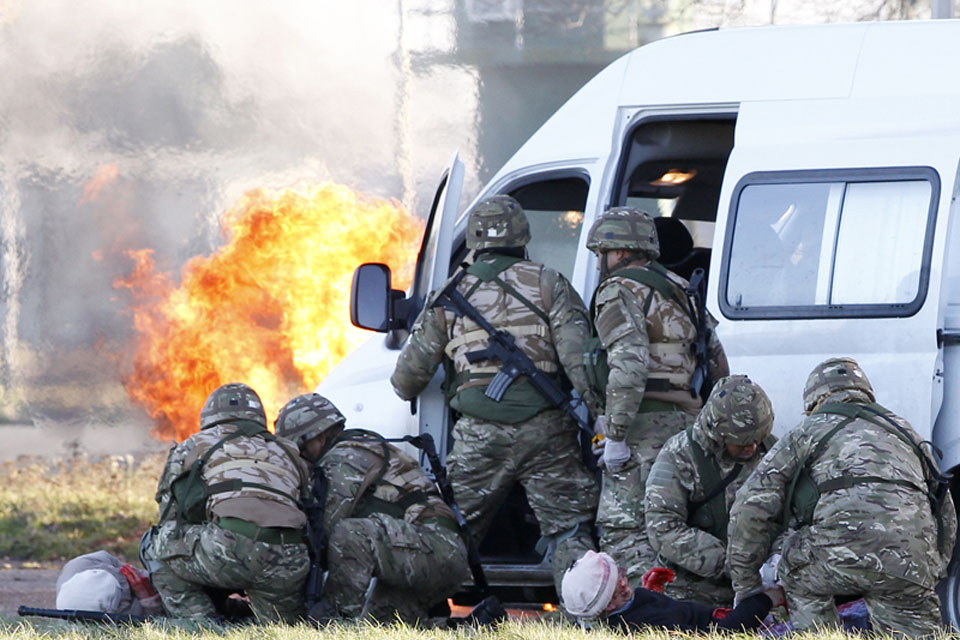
{"x": 79, "y": 615}
{"x": 315, "y": 504}
{"x": 425, "y": 443}
{"x": 700, "y": 383}
{"x": 502, "y": 346}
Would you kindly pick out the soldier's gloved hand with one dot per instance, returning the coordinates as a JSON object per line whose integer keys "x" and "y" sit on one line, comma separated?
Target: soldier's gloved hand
{"x": 600, "y": 425}
{"x": 615, "y": 454}
{"x": 768, "y": 572}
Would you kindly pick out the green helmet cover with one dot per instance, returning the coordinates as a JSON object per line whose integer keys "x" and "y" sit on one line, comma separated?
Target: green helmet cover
{"x": 497, "y": 221}
{"x": 307, "y": 416}
{"x": 738, "y": 411}
{"x": 830, "y": 376}
{"x": 234, "y": 401}
{"x": 626, "y": 228}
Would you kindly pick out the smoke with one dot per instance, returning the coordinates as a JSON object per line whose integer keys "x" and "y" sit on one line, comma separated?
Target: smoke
{"x": 134, "y": 125}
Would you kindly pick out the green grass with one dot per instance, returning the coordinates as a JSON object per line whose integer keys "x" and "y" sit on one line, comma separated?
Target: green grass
{"x": 54, "y": 510}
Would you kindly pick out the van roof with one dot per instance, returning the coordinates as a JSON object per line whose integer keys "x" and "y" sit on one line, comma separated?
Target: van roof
{"x": 731, "y": 66}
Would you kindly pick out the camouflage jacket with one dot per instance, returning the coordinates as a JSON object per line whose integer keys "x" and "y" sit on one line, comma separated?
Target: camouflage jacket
{"x": 250, "y": 459}
{"x": 881, "y": 526}
{"x": 641, "y": 346}
{"x": 673, "y": 483}
{"x": 366, "y": 475}
{"x": 553, "y": 345}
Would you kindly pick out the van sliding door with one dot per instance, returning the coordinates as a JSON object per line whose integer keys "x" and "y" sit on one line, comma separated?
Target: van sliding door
{"x": 832, "y": 249}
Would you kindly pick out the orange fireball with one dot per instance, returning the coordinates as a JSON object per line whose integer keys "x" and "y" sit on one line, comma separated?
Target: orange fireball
{"x": 269, "y": 308}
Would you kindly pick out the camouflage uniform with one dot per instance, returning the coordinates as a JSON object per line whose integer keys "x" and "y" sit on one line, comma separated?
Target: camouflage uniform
{"x": 521, "y": 438}
{"x": 876, "y": 537}
{"x": 251, "y": 537}
{"x": 648, "y": 339}
{"x": 416, "y": 552}
{"x": 383, "y": 517}
{"x": 690, "y": 536}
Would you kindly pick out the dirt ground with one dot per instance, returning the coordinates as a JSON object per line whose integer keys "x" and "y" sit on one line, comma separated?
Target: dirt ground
{"x": 21, "y": 585}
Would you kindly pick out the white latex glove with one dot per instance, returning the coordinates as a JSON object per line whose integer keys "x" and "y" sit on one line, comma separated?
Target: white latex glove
{"x": 615, "y": 454}
{"x": 600, "y": 425}
{"x": 768, "y": 572}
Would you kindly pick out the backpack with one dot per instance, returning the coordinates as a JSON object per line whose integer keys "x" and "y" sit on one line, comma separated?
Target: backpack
{"x": 595, "y": 364}
{"x": 189, "y": 492}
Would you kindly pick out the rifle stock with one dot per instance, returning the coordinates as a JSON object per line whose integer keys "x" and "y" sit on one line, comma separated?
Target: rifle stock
{"x": 700, "y": 381}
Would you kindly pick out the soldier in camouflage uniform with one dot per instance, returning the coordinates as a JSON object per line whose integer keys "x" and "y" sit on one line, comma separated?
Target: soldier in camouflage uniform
{"x": 247, "y": 534}
{"x": 855, "y": 482}
{"x": 645, "y": 322}
{"x": 522, "y": 438}
{"x": 694, "y": 481}
{"x": 383, "y": 516}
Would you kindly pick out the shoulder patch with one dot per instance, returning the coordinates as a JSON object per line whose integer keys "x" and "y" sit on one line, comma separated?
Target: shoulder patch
{"x": 662, "y": 472}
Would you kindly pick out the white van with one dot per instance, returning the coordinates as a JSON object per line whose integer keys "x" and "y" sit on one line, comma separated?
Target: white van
{"x": 812, "y": 170}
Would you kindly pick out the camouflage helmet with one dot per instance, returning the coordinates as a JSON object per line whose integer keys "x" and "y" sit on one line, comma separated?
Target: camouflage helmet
{"x": 738, "y": 411}
{"x": 627, "y": 228}
{"x": 307, "y": 416}
{"x": 497, "y": 221}
{"x": 830, "y": 376}
{"x": 234, "y": 401}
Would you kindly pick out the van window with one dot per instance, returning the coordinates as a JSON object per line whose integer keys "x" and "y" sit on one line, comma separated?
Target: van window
{"x": 554, "y": 208}
{"x": 852, "y": 245}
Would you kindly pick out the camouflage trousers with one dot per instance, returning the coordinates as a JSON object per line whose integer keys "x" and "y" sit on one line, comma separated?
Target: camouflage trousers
{"x": 894, "y": 604}
{"x": 204, "y": 555}
{"x": 543, "y": 455}
{"x": 623, "y": 533}
{"x": 417, "y": 565}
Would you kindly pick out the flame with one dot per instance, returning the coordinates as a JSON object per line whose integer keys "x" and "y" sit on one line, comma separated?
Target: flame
{"x": 105, "y": 176}
{"x": 270, "y": 308}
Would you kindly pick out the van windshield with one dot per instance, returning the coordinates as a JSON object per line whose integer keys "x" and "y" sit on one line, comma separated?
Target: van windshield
{"x": 829, "y": 247}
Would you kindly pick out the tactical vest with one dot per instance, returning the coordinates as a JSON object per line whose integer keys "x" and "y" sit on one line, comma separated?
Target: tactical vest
{"x": 223, "y": 472}
{"x": 804, "y": 492}
{"x": 710, "y": 513}
{"x": 397, "y": 486}
{"x": 516, "y": 304}
{"x": 597, "y": 370}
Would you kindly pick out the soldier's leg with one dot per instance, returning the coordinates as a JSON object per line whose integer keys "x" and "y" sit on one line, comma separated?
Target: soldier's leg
{"x": 277, "y": 590}
{"x": 562, "y": 492}
{"x": 810, "y": 582}
{"x": 620, "y": 514}
{"x": 180, "y": 590}
{"x": 896, "y": 605}
{"x": 691, "y": 587}
{"x": 481, "y": 469}
{"x": 416, "y": 565}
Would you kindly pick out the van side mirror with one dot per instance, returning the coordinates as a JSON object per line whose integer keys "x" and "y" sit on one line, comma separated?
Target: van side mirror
{"x": 372, "y": 301}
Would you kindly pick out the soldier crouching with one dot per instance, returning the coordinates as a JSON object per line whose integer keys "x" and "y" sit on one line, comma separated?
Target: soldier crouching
{"x": 384, "y": 518}
{"x": 868, "y": 505}
{"x": 230, "y": 515}
{"x": 694, "y": 482}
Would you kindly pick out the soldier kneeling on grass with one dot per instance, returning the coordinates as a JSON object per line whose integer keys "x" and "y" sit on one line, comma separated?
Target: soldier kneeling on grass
{"x": 383, "y": 517}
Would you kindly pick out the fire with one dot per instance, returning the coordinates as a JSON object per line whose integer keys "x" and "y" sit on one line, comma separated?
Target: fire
{"x": 105, "y": 176}
{"x": 270, "y": 308}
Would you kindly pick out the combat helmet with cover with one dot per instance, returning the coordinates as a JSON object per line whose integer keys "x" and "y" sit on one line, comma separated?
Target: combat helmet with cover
{"x": 830, "y": 376}
{"x": 307, "y": 416}
{"x": 497, "y": 222}
{"x": 233, "y": 401}
{"x": 738, "y": 411}
{"x": 626, "y": 228}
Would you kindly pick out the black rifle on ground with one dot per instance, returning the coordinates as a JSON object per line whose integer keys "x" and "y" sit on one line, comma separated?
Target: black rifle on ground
{"x": 425, "y": 443}
{"x": 78, "y": 615}
{"x": 502, "y": 346}
{"x": 317, "y": 534}
{"x": 700, "y": 383}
